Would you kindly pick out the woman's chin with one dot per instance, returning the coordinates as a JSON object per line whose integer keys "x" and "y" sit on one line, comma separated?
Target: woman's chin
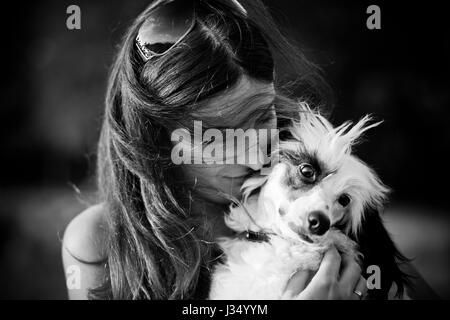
{"x": 224, "y": 194}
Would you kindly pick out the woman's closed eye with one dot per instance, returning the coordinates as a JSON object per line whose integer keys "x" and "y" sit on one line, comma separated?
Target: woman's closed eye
{"x": 263, "y": 118}
{"x": 209, "y": 141}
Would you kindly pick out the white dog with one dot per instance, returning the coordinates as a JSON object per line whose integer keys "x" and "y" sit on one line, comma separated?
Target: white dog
{"x": 314, "y": 197}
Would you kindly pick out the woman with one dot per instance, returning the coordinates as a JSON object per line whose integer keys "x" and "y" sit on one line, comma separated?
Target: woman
{"x": 224, "y": 63}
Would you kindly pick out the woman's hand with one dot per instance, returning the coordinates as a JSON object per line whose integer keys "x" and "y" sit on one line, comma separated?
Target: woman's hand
{"x": 338, "y": 278}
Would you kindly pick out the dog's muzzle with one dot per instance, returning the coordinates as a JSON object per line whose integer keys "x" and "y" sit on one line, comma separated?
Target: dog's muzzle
{"x": 318, "y": 223}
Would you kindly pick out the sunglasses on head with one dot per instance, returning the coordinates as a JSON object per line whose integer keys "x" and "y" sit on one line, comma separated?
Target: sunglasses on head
{"x": 167, "y": 25}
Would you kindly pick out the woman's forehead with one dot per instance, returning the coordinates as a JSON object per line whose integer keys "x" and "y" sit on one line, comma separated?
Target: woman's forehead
{"x": 237, "y": 103}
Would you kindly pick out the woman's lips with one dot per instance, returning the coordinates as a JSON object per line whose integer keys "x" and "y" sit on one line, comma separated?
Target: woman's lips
{"x": 237, "y": 176}
{"x": 240, "y": 175}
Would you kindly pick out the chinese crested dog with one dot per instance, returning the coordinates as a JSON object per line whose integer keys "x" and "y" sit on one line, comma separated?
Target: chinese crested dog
{"x": 318, "y": 194}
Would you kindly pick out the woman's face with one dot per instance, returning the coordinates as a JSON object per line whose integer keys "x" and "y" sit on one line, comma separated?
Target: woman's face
{"x": 248, "y": 105}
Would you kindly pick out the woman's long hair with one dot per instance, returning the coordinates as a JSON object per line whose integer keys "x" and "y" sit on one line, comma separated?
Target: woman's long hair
{"x": 158, "y": 249}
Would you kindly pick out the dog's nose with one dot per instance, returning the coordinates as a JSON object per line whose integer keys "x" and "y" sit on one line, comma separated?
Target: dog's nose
{"x": 318, "y": 223}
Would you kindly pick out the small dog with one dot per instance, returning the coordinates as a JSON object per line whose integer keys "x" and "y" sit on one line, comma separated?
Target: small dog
{"x": 318, "y": 194}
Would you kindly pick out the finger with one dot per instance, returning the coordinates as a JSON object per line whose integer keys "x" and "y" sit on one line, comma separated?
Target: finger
{"x": 351, "y": 272}
{"x": 331, "y": 263}
{"x": 361, "y": 288}
{"x": 296, "y": 284}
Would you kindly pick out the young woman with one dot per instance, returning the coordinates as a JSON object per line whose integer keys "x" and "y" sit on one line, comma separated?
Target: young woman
{"x": 151, "y": 236}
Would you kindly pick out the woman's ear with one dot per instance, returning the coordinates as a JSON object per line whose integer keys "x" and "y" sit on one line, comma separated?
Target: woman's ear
{"x": 379, "y": 250}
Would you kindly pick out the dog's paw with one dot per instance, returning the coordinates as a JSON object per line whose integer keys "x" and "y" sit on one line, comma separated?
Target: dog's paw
{"x": 344, "y": 244}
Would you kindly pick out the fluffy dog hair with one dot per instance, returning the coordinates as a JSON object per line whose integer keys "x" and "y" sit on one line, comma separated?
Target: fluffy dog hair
{"x": 344, "y": 188}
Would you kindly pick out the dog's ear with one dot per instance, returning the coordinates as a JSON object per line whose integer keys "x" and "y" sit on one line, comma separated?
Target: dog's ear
{"x": 378, "y": 249}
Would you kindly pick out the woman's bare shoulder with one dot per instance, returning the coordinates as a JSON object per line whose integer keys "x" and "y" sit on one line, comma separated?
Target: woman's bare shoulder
{"x": 85, "y": 236}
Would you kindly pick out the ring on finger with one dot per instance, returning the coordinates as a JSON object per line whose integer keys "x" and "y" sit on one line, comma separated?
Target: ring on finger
{"x": 358, "y": 293}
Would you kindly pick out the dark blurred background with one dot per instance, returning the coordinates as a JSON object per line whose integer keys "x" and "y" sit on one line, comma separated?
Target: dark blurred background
{"x": 52, "y": 100}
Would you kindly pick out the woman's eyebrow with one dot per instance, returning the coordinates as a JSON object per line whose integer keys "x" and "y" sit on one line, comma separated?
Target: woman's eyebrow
{"x": 235, "y": 115}
{"x": 258, "y": 111}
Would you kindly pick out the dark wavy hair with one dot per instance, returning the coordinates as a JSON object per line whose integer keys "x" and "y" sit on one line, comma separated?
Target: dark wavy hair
{"x": 153, "y": 252}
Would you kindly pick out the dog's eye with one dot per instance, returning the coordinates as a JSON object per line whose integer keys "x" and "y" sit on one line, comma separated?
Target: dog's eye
{"x": 307, "y": 171}
{"x": 344, "y": 200}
